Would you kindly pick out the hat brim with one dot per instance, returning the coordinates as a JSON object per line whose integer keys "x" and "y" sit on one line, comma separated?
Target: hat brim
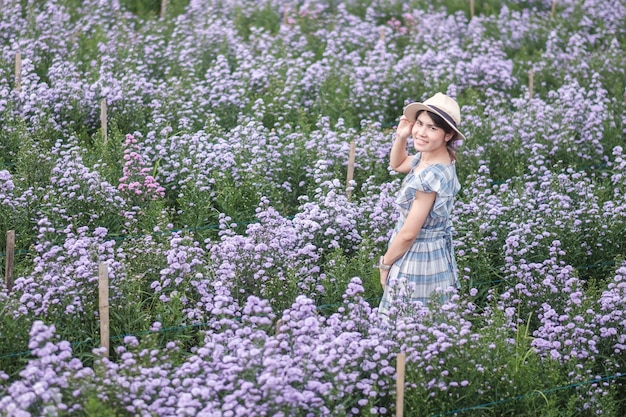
{"x": 410, "y": 112}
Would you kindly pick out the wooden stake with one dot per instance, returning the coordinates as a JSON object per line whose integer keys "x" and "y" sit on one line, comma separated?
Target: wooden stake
{"x": 18, "y": 71}
{"x": 531, "y": 83}
{"x": 103, "y": 119}
{"x": 471, "y": 9}
{"x": 103, "y": 306}
{"x": 9, "y": 260}
{"x": 279, "y": 324}
{"x": 350, "y": 175}
{"x": 553, "y": 11}
{"x": 382, "y": 34}
{"x": 400, "y": 372}
{"x": 163, "y": 8}
{"x": 285, "y": 14}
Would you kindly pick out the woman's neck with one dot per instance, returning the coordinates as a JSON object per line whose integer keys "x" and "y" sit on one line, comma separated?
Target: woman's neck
{"x": 436, "y": 157}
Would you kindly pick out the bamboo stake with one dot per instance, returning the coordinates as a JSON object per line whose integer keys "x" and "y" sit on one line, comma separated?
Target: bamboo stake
{"x": 400, "y": 372}
{"x": 553, "y": 11}
{"x": 103, "y": 306}
{"x": 18, "y": 71}
{"x": 163, "y": 8}
{"x": 285, "y": 14}
{"x": 382, "y": 34}
{"x": 350, "y": 175}
{"x": 471, "y": 9}
{"x": 531, "y": 83}
{"x": 9, "y": 260}
{"x": 103, "y": 120}
{"x": 279, "y": 324}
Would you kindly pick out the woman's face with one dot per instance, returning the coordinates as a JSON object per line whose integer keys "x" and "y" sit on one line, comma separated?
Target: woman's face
{"x": 426, "y": 136}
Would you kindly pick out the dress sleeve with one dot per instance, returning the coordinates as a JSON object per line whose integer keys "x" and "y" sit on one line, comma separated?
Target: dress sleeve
{"x": 430, "y": 180}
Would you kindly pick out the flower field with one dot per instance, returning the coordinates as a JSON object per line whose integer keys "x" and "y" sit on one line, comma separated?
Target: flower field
{"x": 200, "y": 151}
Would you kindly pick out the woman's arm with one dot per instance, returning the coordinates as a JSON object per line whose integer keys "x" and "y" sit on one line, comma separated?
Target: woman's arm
{"x": 410, "y": 229}
{"x": 405, "y": 237}
{"x": 399, "y": 159}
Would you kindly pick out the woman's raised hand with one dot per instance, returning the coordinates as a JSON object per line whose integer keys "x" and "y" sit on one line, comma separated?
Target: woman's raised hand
{"x": 404, "y": 128}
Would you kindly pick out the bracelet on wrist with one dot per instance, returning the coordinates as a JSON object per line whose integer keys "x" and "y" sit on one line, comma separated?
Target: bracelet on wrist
{"x": 381, "y": 264}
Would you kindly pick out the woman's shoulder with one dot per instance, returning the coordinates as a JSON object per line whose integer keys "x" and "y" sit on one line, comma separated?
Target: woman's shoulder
{"x": 438, "y": 177}
{"x": 436, "y": 169}
{"x": 416, "y": 160}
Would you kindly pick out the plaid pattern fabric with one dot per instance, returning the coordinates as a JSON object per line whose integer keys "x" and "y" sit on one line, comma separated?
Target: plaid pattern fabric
{"x": 429, "y": 264}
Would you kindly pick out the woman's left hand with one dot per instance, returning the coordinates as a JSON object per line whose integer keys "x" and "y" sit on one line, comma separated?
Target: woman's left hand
{"x": 383, "y": 277}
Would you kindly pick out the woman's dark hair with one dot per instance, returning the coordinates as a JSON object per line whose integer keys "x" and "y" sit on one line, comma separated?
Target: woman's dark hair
{"x": 441, "y": 123}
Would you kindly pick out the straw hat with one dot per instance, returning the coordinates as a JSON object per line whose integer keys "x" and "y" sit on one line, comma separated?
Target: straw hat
{"x": 440, "y": 104}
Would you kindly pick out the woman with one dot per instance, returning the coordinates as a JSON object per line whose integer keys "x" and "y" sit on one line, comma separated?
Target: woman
{"x": 420, "y": 256}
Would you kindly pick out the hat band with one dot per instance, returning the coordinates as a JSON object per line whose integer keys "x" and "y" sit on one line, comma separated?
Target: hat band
{"x": 444, "y": 115}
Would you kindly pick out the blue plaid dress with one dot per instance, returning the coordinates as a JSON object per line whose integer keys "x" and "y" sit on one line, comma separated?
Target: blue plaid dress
{"x": 429, "y": 264}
